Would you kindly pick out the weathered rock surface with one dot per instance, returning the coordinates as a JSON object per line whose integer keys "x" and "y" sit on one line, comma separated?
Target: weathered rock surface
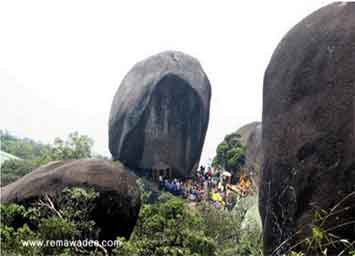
{"x": 308, "y": 129}
{"x": 246, "y": 131}
{"x": 251, "y": 138}
{"x": 159, "y": 115}
{"x": 254, "y": 154}
{"x": 117, "y": 206}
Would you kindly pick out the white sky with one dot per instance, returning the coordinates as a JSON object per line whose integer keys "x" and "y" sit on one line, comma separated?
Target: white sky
{"x": 62, "y": 61}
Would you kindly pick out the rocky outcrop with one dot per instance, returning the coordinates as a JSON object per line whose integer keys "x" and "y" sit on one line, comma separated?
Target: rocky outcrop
{"x": 254, "y": 154}
{"x": 159, "y": 115}
{"x": 246, "y": 132}
{"x": 251, "y": 139}
{"x": 117, "y": 205}
{"x": 308, "y": 130}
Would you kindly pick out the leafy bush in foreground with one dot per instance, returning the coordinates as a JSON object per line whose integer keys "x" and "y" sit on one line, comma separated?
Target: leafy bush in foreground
{"x": 66, "y": 219}
{"x": 168, "y": 226}
{"x": 171, "y": 226}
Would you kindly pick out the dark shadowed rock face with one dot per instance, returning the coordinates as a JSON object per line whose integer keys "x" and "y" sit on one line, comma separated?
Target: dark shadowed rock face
{"x": 159, "y": 115}
{"x": 308, "y": 128}
{"x": 118, "y": 203}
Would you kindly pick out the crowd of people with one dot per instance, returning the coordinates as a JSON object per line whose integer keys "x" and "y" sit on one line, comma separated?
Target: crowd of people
{"x": 207, "y": 184}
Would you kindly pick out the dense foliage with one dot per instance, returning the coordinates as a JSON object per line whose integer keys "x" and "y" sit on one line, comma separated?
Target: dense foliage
{"x": 23, "y": 148}
{"x": 76, "y": 146}
{"x": 169, "y": 226}
{"x": 34, "y": 154}
{"x": 67, "y": 217}
{"x": 11, "y": 170}
{"x": 230, "y": 153}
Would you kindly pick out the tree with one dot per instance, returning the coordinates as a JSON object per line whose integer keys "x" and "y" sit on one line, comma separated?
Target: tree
{"x": 75, "y": 147}
{"x": 35, "y": 154}
{"x": 11, "y": 170}
{"x": 230, "y": 153}
{"x": 23, "y": 148}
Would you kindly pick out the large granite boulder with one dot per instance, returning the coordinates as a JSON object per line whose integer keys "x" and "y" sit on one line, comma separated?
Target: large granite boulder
{"x": 254, "y": 154}
{"x": 251, "y": 135}
{"x": 118, "y": 203}
{"x": 159, "y": 115}
{"x": 246, "y": 131}
{"x": 308, "y": 130}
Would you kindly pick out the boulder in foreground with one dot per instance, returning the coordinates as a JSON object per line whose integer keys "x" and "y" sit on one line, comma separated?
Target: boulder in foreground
{"x": 308, "y": 131}
{"x": 117, "y": 206}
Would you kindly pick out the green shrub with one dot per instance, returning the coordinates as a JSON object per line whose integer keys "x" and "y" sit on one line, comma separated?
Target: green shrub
{"x": 225, "y": 228}
{"x": 65, "y": 218}
{"x": 168, "y": 227}
{"x": 171, "y": 226}
{"x": 11, "y": 170}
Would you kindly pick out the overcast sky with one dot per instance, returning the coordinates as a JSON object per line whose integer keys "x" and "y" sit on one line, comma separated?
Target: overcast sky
{"x": 62, "y": 61}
